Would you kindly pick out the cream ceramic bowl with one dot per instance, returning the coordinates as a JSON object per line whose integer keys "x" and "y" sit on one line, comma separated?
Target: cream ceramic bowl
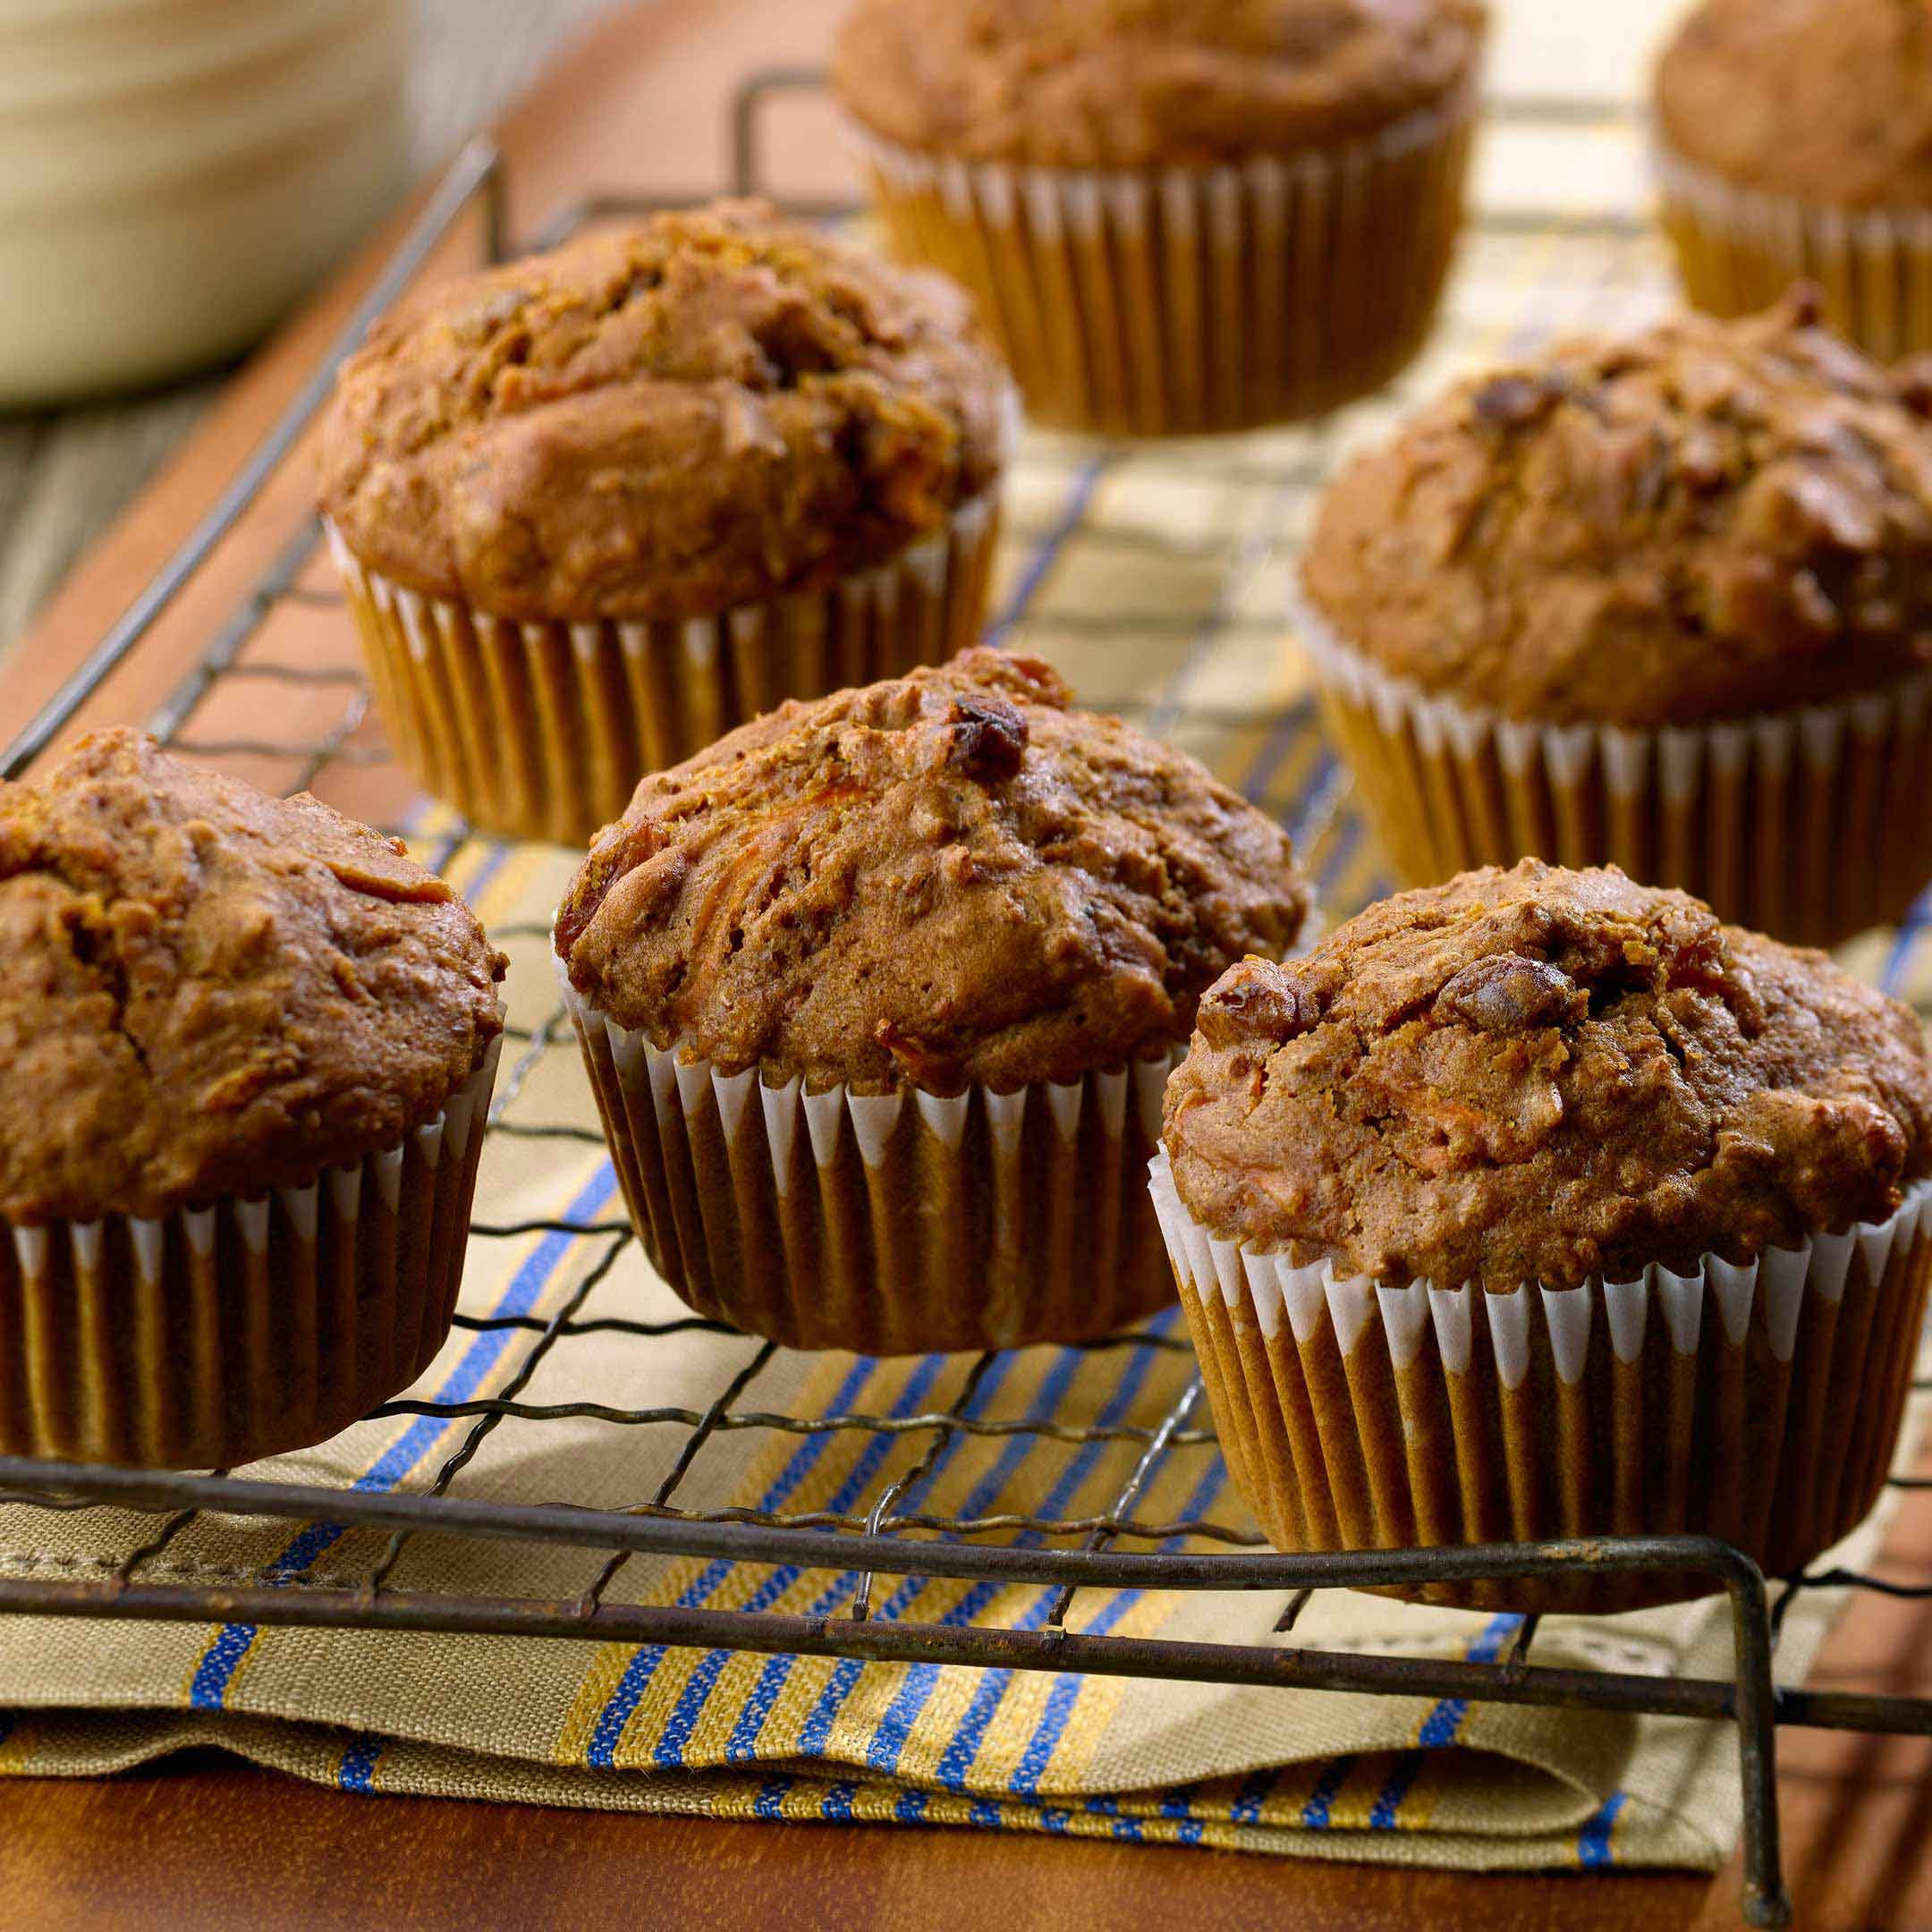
{"x": 174, "y": 174}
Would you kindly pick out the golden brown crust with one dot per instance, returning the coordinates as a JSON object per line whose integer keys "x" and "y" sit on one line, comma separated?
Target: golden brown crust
{"x": 210, "y": 992}
{"x": 1827, "y": 100}
{"x": 1708, "y": 519}
{"x": 1540, "y": 1076}
{"x": 712, "y": 409}
{"x": 940, "y": 879}
{"x": 1147, "y": 83}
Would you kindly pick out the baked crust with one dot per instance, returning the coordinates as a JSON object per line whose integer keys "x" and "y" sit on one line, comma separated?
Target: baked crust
{"x": 210, "y": 992}
{"x": 1132, "y": 84}
{"x": 1705, "y": 520}
{"x": 711, "y": 410}
{"x": 944, "y": 878}
{"x": 1826, "y": 100}
{"x": 1541, "y": 1076}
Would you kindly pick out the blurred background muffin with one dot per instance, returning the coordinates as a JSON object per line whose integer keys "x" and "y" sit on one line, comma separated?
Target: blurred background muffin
{"x": 1539, "y": 1204}
{"x": 1204, "y": 215}
{"x": 246, "y": 1049}
{"x": 1665, "y": 600}
{"x": 595, "y": 507}
{"x": 878, "y": 995}
{"x": 1794, "y": 141}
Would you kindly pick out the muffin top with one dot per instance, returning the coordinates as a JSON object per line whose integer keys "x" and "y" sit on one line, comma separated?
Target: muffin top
{"x": 1147, "y": 83}
{"x": 1830, "y": 100}
{"x": 1541, "y": 1075}
{"x": 711, "y": 410}
{"x": 210, "y": 992}
{"x": 944, "y": 878}
{"x": 1703, "y": 520}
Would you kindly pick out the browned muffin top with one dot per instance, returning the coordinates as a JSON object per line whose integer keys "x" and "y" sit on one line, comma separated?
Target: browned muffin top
{"x": 210, "y": 992}
{"x": 1707, "y": 520}
{"x": 711, "y": 410}
{"x": 1541, "y": 1075}
{"x": 1830, "y": 100}
{"x": 940, "y": 879}
{"x": 1147, "y": 83}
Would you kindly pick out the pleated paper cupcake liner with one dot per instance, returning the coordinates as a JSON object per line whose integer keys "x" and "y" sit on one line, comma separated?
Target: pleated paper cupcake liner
{"x": 1189, "y": 299}
{"x": 891, "y": 1223}
{"x": 543, "y": 730}
{"x": 1759, "y": 1403}
{"x": 219, "y": 1335}
{"x": 1739, "y": 250}
{"x": 1808, "y": 824}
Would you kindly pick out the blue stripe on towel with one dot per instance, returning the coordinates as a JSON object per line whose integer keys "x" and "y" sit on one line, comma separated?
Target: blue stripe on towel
{"x": 1593, "y": 1842}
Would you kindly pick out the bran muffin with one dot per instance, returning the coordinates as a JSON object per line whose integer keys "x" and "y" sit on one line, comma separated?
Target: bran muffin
{"x": 245, "y": 1049}
{"x": 1795, "y": 142}
{"x": 1665, "y": 600}
{"x": 1202, "y": 215}
{"x": 595, "y": 507}
{"x": 1588, "y": 1215}
{"x": 878, "y": 995}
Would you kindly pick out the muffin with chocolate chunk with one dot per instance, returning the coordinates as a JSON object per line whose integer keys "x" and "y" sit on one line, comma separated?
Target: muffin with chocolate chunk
{"x": 246, "y": 1047}
{"x": 1665, "y": 601}
{"x": 878, "y": 995}
{"x": 595, "y": 507}
{"x": 1794, "y": 142}
{"x": 1540, "y": 1204}
{"x": 1201, "y": 215}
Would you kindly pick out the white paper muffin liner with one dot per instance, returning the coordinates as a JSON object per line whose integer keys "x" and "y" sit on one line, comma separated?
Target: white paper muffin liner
{"x": 1808, "y": 824}
{"x": 543, "y": 730}
{"x": 1739, "y": 249}
{"x": 888, "y": 1223}
{"x": 217, "y": 1335}
{"x": 1185, "y": 299}
{"x": 1759, "y": 1403}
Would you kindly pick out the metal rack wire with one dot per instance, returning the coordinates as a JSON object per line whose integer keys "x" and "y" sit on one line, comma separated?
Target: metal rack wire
{"x": 1122, "y": 1545}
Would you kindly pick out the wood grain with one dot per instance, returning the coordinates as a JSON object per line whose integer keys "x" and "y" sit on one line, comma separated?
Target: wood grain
{"x": 182, "y": 1847}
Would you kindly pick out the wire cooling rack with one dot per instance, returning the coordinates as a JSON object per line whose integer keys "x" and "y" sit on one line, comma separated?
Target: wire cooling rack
{"x": 1202, "y": 675}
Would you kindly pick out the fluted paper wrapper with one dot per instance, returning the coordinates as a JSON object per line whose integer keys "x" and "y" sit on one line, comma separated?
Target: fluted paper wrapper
{"x": 1188, "y": 299}
{"x": 1758, "y": 1403}
{"x": 541, "y": 731}
{"x": 887, "y": 1223}
{"x": 1739, "y": 250}
{"x": 219, "y": 1335}
{"x": 1808, "y": 824}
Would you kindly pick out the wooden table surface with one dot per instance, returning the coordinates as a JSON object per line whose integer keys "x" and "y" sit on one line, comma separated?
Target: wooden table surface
{"x": 208, "y": 1847}
{"x": 202, "y": 1842}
